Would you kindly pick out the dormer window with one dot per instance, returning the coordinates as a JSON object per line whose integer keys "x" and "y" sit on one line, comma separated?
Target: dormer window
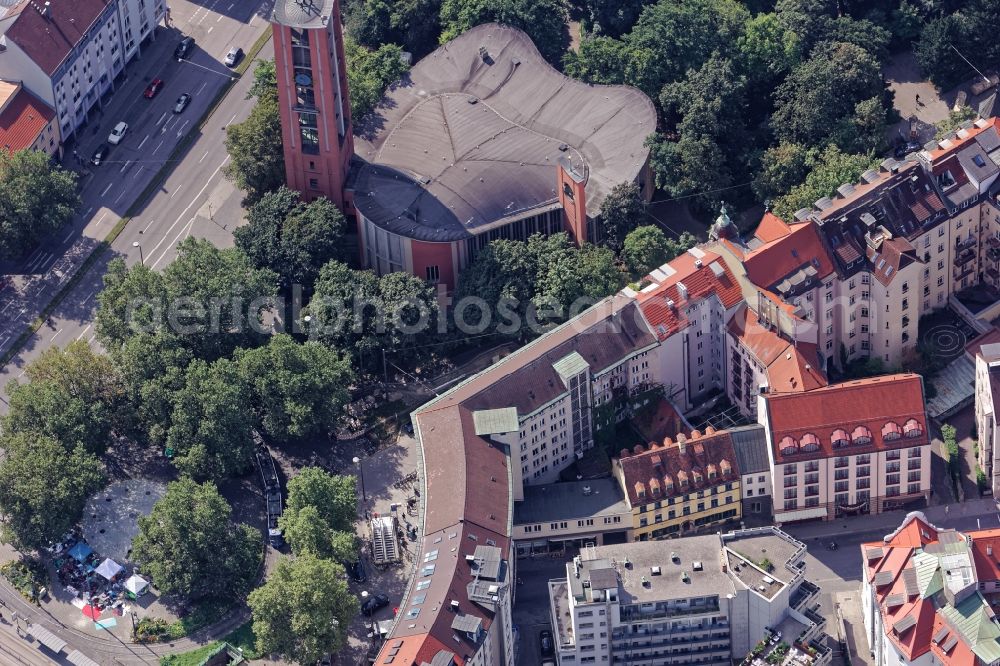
{"x": 839, "y": 438}
{"x": 809, "y": 443}
{"x": 891, "y": 431}
{"x": 861, "y": 436}
{"x": 788, "y": 446}
{"x": 912, "y": 429}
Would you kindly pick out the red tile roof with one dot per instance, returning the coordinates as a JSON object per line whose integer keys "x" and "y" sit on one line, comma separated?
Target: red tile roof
{"x": 48, "y": 40}
{"x": 771, "y": 228}
{"x": 22, "y": 120}
{"x": 853, "y": 406}
{"x": 986, "y": 554}
{"x": 958, "y": 144}
{"x": 661, "y": 469}
{"x": 789, "y": 367}
{"x": 711, "y": 277}
{"x": 786, "y": 254}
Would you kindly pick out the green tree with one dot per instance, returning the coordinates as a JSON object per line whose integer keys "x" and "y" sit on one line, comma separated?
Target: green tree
{"x": 767, "y": 49}
{"x": 292, "y": 238}
{"x": 823, "y": 90}
{"x": 43, "y": 489}
{"x": 303, "y": 610}
{"x": 621, "y": 211}
{"x": 308, "y": 533}
{"x": 647, "y": 247}
{"x": 415, "y": 24}
{"x": 598, "y": 59}
{"x": 573, "y": 279}
{"x": 610, "y": 17}
{"x": 190, "y": 546}
{"x": 343, "y": 311}
{"x": 954, "y": 120}
{"x": 211, "y": 421}
{"x": 369, "y": 73}
{"x": 335, "y": 497}
{"x": 131, "y": 301}
{"x": 37, "y": 197}
{"x": 297, "y": 390}
{"x": 74, "y": 396}
{"x": 543, "y": 20}
{"x": 408, "y": 308}
{"x": 782, "y": 167}
{"x": 829, "y": 170}
{"x": 257, "y": 162}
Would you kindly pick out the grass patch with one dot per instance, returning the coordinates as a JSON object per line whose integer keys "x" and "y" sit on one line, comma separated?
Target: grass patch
{"x": 156, "y": 629}
{"x": 27, "y": 576}
{"x": 192, "y": 658}
{"x": 244, "y": 639}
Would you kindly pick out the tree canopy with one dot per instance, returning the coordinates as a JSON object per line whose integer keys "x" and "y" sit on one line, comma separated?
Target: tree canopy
{"x": 829, "y": 169}
{"x": 257, "y": 159}
{"x": 334, "y": 497}
{"x": 303, "y": 610}
{"x": 414, "y": 24}
{"x": 292, "y": 238}
{"x": 308, "y": 533}
{"x": 369, "y": 73}
{"x": 296, "y": 390}
{"x": 190, "y": 546}
{"x": 621, "y": 211}
{"x": 543, "y": 20}
{"x": 43, "y": 489}
{"x": 647, "y": 247}
{"x": 37, "y": 197}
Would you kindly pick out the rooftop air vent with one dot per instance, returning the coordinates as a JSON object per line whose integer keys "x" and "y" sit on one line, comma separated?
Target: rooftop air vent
{"x": 654, "y": 571}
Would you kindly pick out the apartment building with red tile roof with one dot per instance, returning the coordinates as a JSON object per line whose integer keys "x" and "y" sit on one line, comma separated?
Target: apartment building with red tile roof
{"x": 26, "y": 122}
{"x": 861, "y": 446}
{"x": 679, "y": 485}
{"x": 923, "y": 597}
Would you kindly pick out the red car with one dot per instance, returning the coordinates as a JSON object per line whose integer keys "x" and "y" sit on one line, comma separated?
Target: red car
{"x": 153, "y": 88}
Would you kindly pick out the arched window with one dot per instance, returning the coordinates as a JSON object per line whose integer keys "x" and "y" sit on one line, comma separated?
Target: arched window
{"x": 788, "y": 447}
{"x": 809, "y": 443}
{"x": 839, "y": 438}
{"x": 891, "y": 431}
{"x": 861, "y": 436}
{"x": 912, "y": 428}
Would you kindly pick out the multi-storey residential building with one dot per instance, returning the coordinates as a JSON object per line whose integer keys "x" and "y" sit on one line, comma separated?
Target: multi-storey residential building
{"x": 857, "y": 447}
{"x": 699, "y": 600}
{"x": 987, "y": 400}
{"x": 680, "y": 486}
{"x": 750, "y": 446}
{"x": 26, "y": 122}
{"x": 687, "y": 303}
{"x": 922, "y": 595}
{"x": 68, "y": 52}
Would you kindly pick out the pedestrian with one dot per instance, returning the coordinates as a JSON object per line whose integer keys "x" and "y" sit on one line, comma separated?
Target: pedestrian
{"x": 918, "y": 100}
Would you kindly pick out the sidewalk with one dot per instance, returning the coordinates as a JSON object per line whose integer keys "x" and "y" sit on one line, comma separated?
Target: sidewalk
{"x": 944, "y": 515}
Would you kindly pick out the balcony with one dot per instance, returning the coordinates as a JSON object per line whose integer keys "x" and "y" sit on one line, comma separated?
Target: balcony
{"x": 805, "y": 593}
{"x": 960, "y": 273}
{"x": 965, "y": 243}
{"x": 964, "y": 257}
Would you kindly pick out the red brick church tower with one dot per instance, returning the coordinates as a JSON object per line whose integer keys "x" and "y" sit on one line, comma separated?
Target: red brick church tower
{"x": 313, "y": 97}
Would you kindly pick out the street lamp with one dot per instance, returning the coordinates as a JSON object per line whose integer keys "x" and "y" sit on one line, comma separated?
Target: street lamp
{"x": 361, "y": 474}
{"x": 136, "y": 244}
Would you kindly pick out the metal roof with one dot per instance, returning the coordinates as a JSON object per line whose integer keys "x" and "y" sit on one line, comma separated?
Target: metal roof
{"x": 883, "y": 578}
{"x": 302, "y": 13}
{"x": 495, "y": 421}
{"x": 750, "y": 444}
{"x": 570, "y": 365}
{"x": 904, "y": 623}
{"x": 77, "y": 658}
{"x": 466, "y": 142}
{"x": 468, "y": 623}
{"x": 46, "y": 637}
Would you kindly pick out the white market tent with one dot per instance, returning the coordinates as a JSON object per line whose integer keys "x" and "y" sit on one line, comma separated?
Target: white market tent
{"x": 136, "y": 585}
{"x": 109, "y": 568}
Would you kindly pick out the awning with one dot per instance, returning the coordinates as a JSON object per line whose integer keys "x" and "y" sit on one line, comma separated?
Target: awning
{"x": 801, "y": 514}
{"x": 46, "y": 637}
{"x": 136, "y": 584}
{"x": 80, "y": 551}
{"x": 80, "y": 659}
{"x": 109, "y": 568}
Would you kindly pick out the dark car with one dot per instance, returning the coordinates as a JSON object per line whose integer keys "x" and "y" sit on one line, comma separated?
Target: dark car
{"x": 182, "y": 103}
{"x": 374, "y": 603}
{"x": 184, "y": 48}
{"x": 100, "y": 154}
{"x": 357, "y": 571}
{"x": 545, "y": 642}
{"x": 153, "y": 88}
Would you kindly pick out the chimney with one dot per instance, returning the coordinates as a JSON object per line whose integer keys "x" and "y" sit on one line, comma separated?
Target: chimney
{"x": 681, "y": 439}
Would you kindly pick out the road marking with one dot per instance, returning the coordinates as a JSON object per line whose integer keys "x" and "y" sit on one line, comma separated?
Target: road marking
{"x": 102, "y": 217}
{"x": 6, "y": 306}
{"x": 161, "y": 118}
{"x": 151, "y": 223}
{"x": 83, "y": 332}
{"x": 22, "y": 374}
{"x": 203, "y": 84}
{"x": 182, "y": 128}
{"x": 55, "y": 334}
{"x": 157, "y": 146}
{"x": 4, "y": 341}
{"x": 38, "y": 261}
{"x": 91, "y": 338}
{"x": 176, "y": 190}
{"x": 127, "y": 163}
{"x": 203, "y": 156}
{"x": 120, "y": 195}
{"x": 137, "y": 172}
{"x": 209, "y": 29}
{"x": 106, "y": 189}
{"x": 231, "y": 6}
{"x": 45, "y": 287}
{"x": 68, "y": 236}
{"x": 252, "y": 19}
{"x": 183, "y": 232}
{"x": 88, "y": 298}
{"x": 34, "y": 254}
{"x": 184, "y": 212}
{"x": 141, "y": 143}
{"x": 89, "y": 211}
{"x": 220, "y": 18}
{"x": 233, "y": 118}
{"x": 46, "y": 265}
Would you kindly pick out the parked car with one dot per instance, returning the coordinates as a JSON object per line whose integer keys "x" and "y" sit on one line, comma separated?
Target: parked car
{"x": 184, "y": 48}
{"x": 545, "y": 642}
{"x": 100, "y": 154}
{"x": 182, "y": 103}
{"x": 233, "y": 57}
{"x": 153, "y": 88}
{"x": 374, "y": 603}
{"x": 118, "y": 133}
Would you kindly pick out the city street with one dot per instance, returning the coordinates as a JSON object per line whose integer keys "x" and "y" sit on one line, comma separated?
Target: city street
{"x": 194, "y": 200}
